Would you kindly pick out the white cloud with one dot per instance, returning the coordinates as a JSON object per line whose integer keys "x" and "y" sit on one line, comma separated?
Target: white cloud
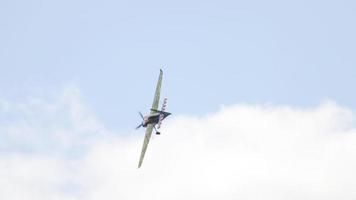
{"x": 240, "y": 152}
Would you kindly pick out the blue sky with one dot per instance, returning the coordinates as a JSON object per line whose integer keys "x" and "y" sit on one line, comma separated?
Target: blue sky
{"x": 214, "y": 53}
{"x": 249, "y": 84}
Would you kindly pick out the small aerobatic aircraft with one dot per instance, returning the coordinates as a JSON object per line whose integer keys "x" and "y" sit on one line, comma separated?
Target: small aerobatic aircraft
{"x": 154, "y": 118}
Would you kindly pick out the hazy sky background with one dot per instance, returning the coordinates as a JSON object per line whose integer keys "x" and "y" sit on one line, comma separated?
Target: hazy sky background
{"x": 262, "y": 96}
{"x": 213, "y": 53}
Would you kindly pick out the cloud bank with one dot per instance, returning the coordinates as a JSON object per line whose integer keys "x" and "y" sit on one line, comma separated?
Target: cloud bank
{"x": 57, "y": 149}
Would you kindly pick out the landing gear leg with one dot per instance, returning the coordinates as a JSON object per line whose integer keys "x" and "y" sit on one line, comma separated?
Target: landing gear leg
{"x": 157, "y": 132}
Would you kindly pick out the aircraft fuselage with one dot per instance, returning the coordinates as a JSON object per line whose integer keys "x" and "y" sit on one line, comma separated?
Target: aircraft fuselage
{"x": 153, "y": 118}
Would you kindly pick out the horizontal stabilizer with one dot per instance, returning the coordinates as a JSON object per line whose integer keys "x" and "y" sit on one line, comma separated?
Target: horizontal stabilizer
{"x": 159, "y": 111}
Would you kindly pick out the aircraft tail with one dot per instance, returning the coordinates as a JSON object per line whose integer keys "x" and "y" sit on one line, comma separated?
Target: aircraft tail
{"x": 161, "y": 117}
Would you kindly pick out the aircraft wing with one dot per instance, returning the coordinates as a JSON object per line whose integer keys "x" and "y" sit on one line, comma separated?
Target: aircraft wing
{"x": 157, "y": 93}
{"x": 145, "y": 143}
{"x": 150, "y": 126}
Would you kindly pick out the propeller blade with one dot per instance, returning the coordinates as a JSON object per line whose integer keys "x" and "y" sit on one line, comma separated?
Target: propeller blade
{"x": 141, "y": 115}
{"x": 139, "y": 126}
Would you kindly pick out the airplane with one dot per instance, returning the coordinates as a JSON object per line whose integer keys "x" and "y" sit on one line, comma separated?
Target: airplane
{"x": 154, "y": 118}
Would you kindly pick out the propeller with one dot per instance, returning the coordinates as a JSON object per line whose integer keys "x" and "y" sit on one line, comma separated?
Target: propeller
{"x": 139, "y": 126}
{"x": 141, "y": 115}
